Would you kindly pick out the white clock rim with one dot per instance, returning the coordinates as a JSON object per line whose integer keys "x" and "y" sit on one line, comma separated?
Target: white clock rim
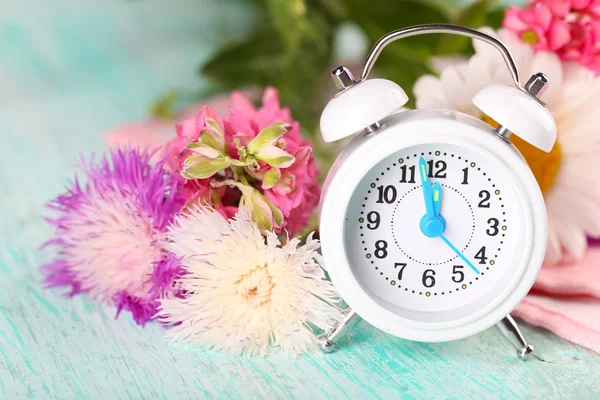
{"x": 458, "y": 129}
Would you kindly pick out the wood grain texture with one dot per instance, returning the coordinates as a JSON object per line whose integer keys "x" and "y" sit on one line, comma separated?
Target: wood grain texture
{"x": 68, "y": 74}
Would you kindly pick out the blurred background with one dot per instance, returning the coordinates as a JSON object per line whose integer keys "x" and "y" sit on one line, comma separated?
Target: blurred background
{"x": 73, "y": 71}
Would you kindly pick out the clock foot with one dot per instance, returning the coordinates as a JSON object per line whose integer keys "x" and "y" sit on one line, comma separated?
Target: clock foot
{"x": 525, "y": 349}
{"x": 328, "y": 340}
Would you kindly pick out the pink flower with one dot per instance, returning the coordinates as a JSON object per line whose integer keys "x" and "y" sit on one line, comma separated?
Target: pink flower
{"x": 594, "y": 8}
{"x": 584, "y": 46}
{"x": 560, "y": 8}
{"x": 571, "y": 28}
{"x": 279, "y": 165}
{"x": 245, "y": 121}
{"x": 296, "y": 191}
{"x": 537, "y": 26}
{"x": 189, "y": 131}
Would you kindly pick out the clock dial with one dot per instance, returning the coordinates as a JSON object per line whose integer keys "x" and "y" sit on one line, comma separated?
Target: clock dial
{"x": 395, "y": 260}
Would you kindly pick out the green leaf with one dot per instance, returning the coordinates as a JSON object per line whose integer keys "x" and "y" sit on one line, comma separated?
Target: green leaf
{"x": 276, "y": 212}
{"x": 289, "y": 18}
{"x": 165, "y": 105}
{"x": 275, "y": 157}
{"x": 473, "y": 16}
{"x": 215, "y": 127}
{"x": 209, "y": 139}
{"x": 204, "y": 150}
{"x": 378, "y": 17}
{"x": 256, "y": 60}
{"x": 336, "y": 9}
{"x": 270, "y": 178}
{"x": 264, "y": 212}
{"x": 495, "y": 18}
{"x": 268, "y": 136}
{"x": 267, "y": 58}
{"x": 202, "y": 167}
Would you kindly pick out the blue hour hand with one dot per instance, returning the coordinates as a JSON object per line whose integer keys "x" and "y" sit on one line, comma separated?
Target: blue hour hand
{"x": 431, "y": 225}
{"x": 437, "y": 199}
{"x": 437, "y": 204}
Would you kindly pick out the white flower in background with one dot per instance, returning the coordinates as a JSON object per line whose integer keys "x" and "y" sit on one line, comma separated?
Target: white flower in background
{"x": 567, "y": 174}
{"x": 245, "y": 293}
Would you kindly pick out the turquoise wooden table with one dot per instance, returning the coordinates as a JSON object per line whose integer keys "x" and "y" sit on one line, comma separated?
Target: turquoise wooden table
{"x": 69, "y": 74}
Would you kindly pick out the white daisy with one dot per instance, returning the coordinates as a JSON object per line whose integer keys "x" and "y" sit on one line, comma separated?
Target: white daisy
{"x": 566, "y": 174}
{"x": 243, "y": 292}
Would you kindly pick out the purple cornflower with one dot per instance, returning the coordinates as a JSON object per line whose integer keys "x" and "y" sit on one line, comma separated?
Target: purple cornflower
{"x": 106, "y": 232}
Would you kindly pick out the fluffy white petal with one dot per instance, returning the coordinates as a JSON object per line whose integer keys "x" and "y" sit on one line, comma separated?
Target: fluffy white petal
{"x": 483, "y": 49}
{"x": 572, "y": 239}
{"x": 428, "y": 92}
{"x": 453, "y": 87}
{"x": 244, "y": 293}
{"x": 439, "y": 63}
{"x": 522, "y": 52}
{"x": 553, "y": 250}
{"x": 575, "y": 72}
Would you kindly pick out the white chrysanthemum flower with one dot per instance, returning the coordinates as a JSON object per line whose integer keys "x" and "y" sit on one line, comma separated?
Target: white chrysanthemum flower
{"x": 565, "y": 175}
{"x": 245, "y": 293}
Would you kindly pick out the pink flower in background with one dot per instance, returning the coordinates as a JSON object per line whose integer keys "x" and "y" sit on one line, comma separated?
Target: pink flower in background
{"x": 584, "y": 46}
{"x": 297, "y": 190}
{"x": 254, "y": 155}
{"x": 189, "y": 131}
{"x": 537, "y": 26}
{"x": 571, "y": 28}
{"x": 106, "y": 231}
{"x": 559, "y": 8}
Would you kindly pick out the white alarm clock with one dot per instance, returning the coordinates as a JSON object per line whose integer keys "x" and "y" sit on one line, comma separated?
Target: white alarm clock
{"x": 432, "y": 225}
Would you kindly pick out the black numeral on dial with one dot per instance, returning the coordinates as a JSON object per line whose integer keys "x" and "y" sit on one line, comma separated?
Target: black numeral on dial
{"x": 381, "y": 249}
{"x": 493, "y": 229}
{"x": 485, "y": 196}
{"x": 373, "y": 220}
{"x": 440, "y": 165}
{"x": 465, "y": 180}
{"x": 457, "y": 275}
{"x": 481, "y": 256}
{"x": 387, "y": 194}
{"x": 401, "y": 270}
{"x": 410, "y": 171}
{"x": 428, "y": 278}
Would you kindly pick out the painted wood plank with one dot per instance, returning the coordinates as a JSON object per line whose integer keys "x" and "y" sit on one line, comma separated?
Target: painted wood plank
{"x": 68, "y": 74}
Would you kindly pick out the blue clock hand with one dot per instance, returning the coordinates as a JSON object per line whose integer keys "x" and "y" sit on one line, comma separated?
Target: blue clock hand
{"x": 454, "y": 249}
{"x": 437, "y": 198}
{"x": 427, "y": 194}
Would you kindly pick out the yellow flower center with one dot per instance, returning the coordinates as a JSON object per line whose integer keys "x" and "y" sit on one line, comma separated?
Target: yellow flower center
{"x": 529, "y": 36}
{"x": 256, "y": 287}
{"x": 544, "y": 165}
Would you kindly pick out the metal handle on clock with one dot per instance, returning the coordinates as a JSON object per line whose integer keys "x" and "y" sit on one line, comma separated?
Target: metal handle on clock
{"x": 440, "y": 28}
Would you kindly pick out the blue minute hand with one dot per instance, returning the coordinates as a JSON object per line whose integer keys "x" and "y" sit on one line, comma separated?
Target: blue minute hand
{"x": 454, "y": 249}
{"x": 437, "y": 198}
{"x": 427, "y": 193}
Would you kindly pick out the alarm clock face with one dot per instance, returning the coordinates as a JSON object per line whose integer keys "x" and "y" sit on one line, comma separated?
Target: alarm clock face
{"x": 432, "y": 228}
{"x": 446, "y": 276}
